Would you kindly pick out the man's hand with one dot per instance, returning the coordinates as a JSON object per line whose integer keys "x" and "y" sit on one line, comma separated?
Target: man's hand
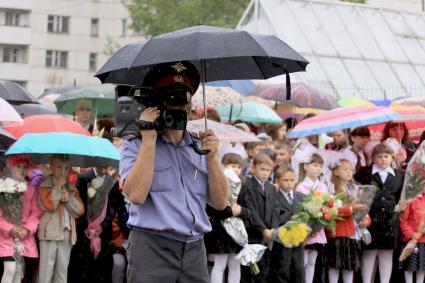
{"x": 150, "y": 114}
{"x": 268, "y": 235}
{"x": 210, "y": 142}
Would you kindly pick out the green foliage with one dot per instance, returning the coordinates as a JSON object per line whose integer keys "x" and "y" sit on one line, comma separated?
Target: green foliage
{"x": 154, "y": 17}
{"x": 111, "y": 46}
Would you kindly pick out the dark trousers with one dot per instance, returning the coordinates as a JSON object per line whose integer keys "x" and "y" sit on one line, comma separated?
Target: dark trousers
{"x": 286, "y": 264}
{"x": 153, "y": 258}
{"x": 246, "y": 272}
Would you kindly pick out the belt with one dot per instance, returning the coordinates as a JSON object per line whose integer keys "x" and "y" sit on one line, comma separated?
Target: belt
{"x": 169, "y": 235}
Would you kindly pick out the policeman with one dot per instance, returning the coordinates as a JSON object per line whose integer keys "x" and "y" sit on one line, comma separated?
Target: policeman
{"x": 168, "y": 184}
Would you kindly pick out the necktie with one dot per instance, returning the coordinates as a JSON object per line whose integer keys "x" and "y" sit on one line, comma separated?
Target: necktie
{"x": 290, "y": 198}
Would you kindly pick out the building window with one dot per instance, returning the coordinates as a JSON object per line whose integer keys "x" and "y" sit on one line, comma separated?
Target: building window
{"x": 12, "y": 19}
{"x": 92, "y": 62}
{"x": 56, "y": 59}
{"x": 12, "y": 55}
{"x": 124, "y": 27}
{"x": 58, "y": 24}
{"x": 94, "y": 29}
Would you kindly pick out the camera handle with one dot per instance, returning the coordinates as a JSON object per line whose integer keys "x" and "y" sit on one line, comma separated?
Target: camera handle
{"x": 144, "y": 125}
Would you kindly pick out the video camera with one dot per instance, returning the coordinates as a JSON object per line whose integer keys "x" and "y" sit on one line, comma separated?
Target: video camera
{"x": 131, "y": 101}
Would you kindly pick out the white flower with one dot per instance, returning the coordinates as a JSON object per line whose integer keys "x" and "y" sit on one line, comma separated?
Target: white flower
{"x": 97, "y": 182}
{"x": 10, "y": 183}
{"x": 339, "y": 203}
{"x": 2, "y": 186}
{"x": 91, "y": 192}
{"x": 22, "y": 187}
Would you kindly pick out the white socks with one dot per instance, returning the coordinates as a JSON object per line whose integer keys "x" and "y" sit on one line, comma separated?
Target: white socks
{"x": 220, "y": 263}
{"x": 310, "y": 257}
{"x": 385, "y": 264}
{"x": 11, "y": 273}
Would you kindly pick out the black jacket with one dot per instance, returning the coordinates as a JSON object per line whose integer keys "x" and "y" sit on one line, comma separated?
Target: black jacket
{"x": 285, "y": 210}
{"x": 260, "y": 205}
{"x": 384, "y": 227}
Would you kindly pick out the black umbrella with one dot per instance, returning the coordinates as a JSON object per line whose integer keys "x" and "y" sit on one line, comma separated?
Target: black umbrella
{"x": 15, "y": 94}
{"x": 60, "y": 90}
{"x": 6, "y": 139}
{"x": 218, "y": 53}
{"x": 29, "y": 109}
{"x": 226, "y": 53}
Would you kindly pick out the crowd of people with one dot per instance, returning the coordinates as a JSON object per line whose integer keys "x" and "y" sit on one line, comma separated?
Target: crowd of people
{"x": 150, "y": 220}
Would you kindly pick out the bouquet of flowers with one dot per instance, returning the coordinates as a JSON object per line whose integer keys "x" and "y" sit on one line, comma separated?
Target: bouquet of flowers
{"x": 235, "y": 228}
{"x": 11, "y": 202}
{"x": 318, "y": 210}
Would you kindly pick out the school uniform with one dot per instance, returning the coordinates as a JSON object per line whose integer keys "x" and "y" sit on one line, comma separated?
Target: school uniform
{"x": 260, "y": 200}
{"x": 287, "y": 264}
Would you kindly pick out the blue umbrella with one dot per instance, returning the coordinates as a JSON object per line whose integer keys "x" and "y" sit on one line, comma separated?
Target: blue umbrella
{"x": 385, "y": 103}
{"x": 244, "y": 87}
{"x": 249, "y": 111}
{"x": 83, "y": 151}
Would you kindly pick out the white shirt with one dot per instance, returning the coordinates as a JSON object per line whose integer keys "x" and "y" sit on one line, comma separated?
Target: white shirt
{"x": 312, "y": 184}
{"x": 289, "y": 196}
{"x": 383, "y": 173}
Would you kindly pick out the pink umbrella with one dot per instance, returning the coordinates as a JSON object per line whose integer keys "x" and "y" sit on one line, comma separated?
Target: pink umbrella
{"x": 301, "y": 95}
{"x": 216, "y": 97}
{"x": 8, "y": 114}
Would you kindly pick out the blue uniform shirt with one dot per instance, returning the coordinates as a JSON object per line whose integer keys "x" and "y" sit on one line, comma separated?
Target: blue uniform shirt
{"x": 176, "y": 202}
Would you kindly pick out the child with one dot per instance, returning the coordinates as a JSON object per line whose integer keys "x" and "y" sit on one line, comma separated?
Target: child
{"x": 218, "y": 243}
{"x": 61, "y": 204}
{"x": 310, "y": 170}
{"x": 252, "y": 149}
{"x": 283, "y": 154}
{"x": 384, "y": 229}
{"x": 410, "y": 226}
{"x": 19, "y": 219}
{"x": 259, "y": 197}
{"x": 287, "y": 264}
{"x": 343, "y": 250}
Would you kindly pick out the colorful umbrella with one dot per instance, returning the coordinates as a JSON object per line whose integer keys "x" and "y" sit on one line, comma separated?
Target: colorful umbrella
{"x": 301, "y": 95}
{"x": 223, "y": 131}
{"x": 102, "y": 98}
{"x": 82, "y": 150}
{"x": 354, "y": 101}
{"x": 46, "y": 124}
{"x": 413, "y": 116}
{"x": 244, "y": 87}
{"x": 343, "y": 118}
{"x": 216, "y": 97}
{"x": 249, "y": 111}
{"x": 8, "y": 114}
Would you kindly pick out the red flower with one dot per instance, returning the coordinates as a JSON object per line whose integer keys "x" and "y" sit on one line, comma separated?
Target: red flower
{"x": 331, "y": 203}
{"x": 328, "y": 216}
{"x": 416, "y": 167}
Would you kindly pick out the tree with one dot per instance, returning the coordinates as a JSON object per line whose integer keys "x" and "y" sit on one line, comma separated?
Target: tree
{"x": 154, "y": 17}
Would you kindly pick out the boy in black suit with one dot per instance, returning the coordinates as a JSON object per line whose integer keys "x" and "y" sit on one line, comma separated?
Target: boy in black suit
{"x": 259, "y": 197}
{"x": 286, "y": 264}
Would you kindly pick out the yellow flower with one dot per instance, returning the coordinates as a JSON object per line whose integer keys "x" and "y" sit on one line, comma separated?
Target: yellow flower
{"x": 293, "y": 234}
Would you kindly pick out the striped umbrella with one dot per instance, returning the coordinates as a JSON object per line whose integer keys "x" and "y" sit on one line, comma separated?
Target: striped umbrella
{"x": 343, "y": 118}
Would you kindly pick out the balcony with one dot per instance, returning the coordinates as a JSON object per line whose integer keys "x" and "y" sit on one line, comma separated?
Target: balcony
{"x": 15, "y": 35}
{"x": 16, "y": 5}
{"x": 14, "y": 72}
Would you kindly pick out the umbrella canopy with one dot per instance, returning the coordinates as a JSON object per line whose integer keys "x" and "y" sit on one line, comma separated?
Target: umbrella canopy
{"x": 46, "y": 124}
{"x": 102, "y": 98}
{"x": 385, "y": 102}
{"x": 343, "y": 118}
{"x": 6, "y": 139}
{"x": 15, "y": 94}
{"x": 8, "y": 114}
{"x": 59, "y": 90}
{"x": 354, "y": 101}
{"x": 411, "y": 101}
{"x": 287, "y": 110}
{"x": 301, "y": 95}
{"x": 82, "y": 150}
{"x": 225, "y": 54}
{"x": 216, "y": 97}
{"x": 249, "y": 111}
{"x": 413, "y": 116}
{"x": 223, "y": 131}
{"x": 30, "y": 109}
{"x": 244, "y": 87}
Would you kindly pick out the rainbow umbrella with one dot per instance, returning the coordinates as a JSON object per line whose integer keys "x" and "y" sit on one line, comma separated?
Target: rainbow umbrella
{"x": 354, "y": 101}
{"x": 343, "y": 118}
